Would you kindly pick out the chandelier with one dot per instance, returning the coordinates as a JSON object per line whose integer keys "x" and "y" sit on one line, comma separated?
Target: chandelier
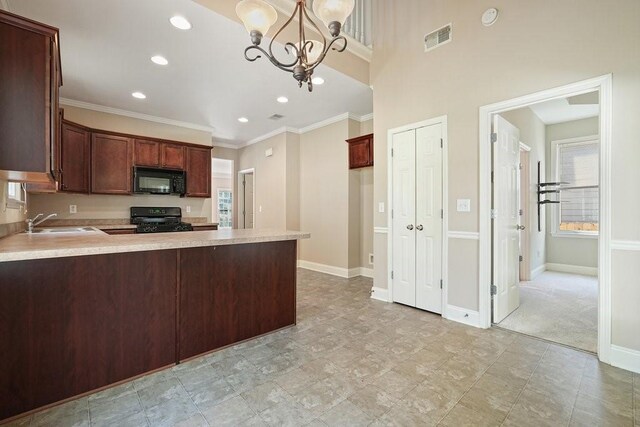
{"x": 258, "y": 16}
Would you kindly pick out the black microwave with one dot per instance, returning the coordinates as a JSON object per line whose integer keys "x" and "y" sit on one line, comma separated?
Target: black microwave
{"x": 159, "y": 181}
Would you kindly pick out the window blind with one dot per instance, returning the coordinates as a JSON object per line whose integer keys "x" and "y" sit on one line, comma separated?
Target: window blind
{"x": 578, "y": 165}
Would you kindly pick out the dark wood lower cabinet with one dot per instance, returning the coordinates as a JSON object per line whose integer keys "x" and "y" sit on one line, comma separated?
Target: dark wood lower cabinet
{"x": 234, "y": 292}
{"x": 72, "y": 325}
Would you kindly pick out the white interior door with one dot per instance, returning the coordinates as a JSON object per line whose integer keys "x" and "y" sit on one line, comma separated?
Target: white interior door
{"x": 404, "y": 214}
{"x": 248, "y": 201}
{"x": 429, "y": 218}
{"x": 506, "y": 236}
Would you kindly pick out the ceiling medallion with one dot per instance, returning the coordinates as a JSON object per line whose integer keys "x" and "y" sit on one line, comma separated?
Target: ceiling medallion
{"x": 258, "y": 16}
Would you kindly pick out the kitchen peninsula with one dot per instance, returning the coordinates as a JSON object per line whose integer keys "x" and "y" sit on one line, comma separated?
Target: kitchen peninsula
{"x": 83, "y": 311}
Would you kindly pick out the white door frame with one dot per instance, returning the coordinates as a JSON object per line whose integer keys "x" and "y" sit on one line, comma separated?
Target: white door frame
{"x": 442, "y": 120}
{"x": 241, "y": 191}
{"x": 604, "y": 85}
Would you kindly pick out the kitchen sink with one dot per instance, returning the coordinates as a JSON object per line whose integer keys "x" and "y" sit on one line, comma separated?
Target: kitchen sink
{"x": 62, "y": 230}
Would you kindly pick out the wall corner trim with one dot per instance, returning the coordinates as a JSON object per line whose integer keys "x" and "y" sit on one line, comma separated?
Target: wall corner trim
{"x": 625, "y": 358}
{"x": 380, "y": 294}
{"x": 463, "y": 315}
{"x": 134, "y": 115}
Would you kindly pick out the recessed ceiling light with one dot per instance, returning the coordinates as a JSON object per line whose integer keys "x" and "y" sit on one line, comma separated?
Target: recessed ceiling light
{"x": 139, "y": 95}
{"x": 318, "y": 81}
{"x": 283, "y": 99}
{"x": 243, "y": 120}
{"x": 160, "y": 60}
{"x": 180, "y": 22}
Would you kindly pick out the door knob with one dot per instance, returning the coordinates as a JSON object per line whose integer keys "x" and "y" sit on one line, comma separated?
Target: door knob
{"x": 420, "y": 227}
{"x": 520, "y": 227}
{"x": 410, "y": 227}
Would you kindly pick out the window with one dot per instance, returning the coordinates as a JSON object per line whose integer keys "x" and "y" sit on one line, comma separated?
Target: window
{"x": 15, "y": 195}
{"x": 225, "y": 203}
{"x": 577, "y": 165}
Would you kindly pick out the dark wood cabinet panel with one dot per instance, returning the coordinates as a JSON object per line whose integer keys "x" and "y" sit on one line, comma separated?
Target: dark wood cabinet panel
{"x": 29, "y": 81}
{"x": 111, "y": 164}
{"x": 360, "y": 151}
{"x": 120, "y": 231}
{"x": 75, "y": 159}
{"x": 72, "y": 325}
{"x": 231, "y": 293}
{"x": 197, "y": 227}
{"x": 146, "y": 153}
{"x": 198, "y": 172}
{"x": 173, "y": 156}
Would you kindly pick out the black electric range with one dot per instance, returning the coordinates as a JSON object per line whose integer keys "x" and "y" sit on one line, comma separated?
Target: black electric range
{"x": 158, "y": 220}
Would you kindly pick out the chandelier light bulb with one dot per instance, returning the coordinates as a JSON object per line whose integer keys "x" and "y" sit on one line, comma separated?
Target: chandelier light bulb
{"x": 333, "y": 11}
{"x": 256, "y": 15}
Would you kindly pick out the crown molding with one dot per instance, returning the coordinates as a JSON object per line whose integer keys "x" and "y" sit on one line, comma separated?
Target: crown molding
{"x": 225, "y": 145}
{"x": 4, "y": 4}
{"x": 134, "y": 115}
{"x": 312, "y": 127}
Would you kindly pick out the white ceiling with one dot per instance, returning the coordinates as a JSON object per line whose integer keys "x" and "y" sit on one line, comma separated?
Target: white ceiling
{"x": 561, "y": 110}
{"x": 106, "y": 48}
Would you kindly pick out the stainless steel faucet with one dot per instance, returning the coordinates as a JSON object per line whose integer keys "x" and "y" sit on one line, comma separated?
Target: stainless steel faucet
{"x": 32, "y": 222}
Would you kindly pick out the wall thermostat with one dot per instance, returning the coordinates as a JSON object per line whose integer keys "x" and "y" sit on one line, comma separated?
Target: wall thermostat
{"x": 489, "y": 17}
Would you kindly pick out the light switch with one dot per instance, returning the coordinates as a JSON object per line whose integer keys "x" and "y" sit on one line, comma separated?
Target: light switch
{"x": 464, "y": 205}
{"x": 268, "y": 152}
{"x": 188, "y": 209}
{"x": 381, "y": 207}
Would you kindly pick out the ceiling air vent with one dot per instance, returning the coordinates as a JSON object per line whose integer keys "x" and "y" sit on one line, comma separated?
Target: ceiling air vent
{"x": 437, "y": 38}
{"x": 276, "y": 117}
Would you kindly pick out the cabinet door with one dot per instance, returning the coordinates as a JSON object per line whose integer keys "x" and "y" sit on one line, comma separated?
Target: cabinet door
{"x": 147, "y": 153}
{"x": 361, "y": 152}
{"x": 76, "y": 143}
{"x": 111, "y": 163}
{"x": 172, "y": 156}
{"x": 198, "y": 172}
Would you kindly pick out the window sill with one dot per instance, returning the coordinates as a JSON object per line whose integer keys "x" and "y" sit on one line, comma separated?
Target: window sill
{"x": 575, "y": 235}
{"x": 15, "y": 204}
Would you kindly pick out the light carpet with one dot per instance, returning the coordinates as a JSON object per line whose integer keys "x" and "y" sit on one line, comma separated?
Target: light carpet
{"x": 558, "y": 307}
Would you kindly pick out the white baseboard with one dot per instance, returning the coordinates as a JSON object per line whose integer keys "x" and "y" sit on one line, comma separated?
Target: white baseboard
{"x": 462, "y": 315}
{"x": 625, "y": 358}
{"x": 574, "y": 269}
{"x": 538, "y": 271}
{"x": 346, "y": 273}
{"x": 380, "y": 294}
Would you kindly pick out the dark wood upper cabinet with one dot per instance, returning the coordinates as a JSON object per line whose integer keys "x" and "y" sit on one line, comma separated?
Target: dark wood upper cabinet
{"x": 111, "y": 164}
{"x": 146, "y": 153}
{"x": 75, "y": 159}
{"x": 198, "y": 172}
{"x": 360, "y": 151}
{"x": 30, "y": 78}
{"x": 173, "y": 156}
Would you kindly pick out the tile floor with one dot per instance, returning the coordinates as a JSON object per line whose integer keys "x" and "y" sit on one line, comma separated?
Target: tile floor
{"x": 558, "y": 307}
{"x": 353, "y": 361}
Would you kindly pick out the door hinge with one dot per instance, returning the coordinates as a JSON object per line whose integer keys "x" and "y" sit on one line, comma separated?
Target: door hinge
{"x": 520, "y": 258}
{"x": 491, "y": 176}
{"x": 441, "y": 143}
{"x": 494, "y": 213}
{"x": 440, "y": 283}
{"x": 520, "y": 212}
{"x": 392, "y": 152}
{"x": 494, "y": 137}
{"x": 441, "y": 213}
{"x": 391, "y": 213}
{"x": 520, "y": 166}
{"x": 494, "y": 289}
{"x": 392, "y": 274}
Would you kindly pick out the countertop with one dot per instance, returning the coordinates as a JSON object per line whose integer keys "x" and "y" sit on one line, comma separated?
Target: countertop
{"x": 25, "y": 246}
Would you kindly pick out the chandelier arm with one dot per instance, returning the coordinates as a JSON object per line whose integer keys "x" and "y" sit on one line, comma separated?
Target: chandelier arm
{"x": 326, "y": 51}
{"x": 273, "y": 39}
{"x": 283, "y": 67}
{"x": 324, "y": 39}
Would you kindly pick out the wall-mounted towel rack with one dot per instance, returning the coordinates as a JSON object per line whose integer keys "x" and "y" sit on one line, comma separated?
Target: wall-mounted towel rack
{"x": 543, "y": 191}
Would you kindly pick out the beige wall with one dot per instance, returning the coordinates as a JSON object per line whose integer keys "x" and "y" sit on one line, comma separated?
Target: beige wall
{"x": 270, "y": 183}
{"x": 532, "y": 47}
{"x": 366, "y": 215}
{"x": 566, "y": 250}
{"x": 532, "y": 133}
{"x": 104, "y": 206}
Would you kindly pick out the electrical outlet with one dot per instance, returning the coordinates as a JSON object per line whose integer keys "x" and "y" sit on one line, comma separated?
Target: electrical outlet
{"x": 463, "y": 205}
{"x": 73, "y": 209}
{"x": 371, "y": 259}
{"x": 188, "y": 209}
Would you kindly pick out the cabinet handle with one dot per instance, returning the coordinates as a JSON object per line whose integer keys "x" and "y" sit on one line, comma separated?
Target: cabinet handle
{"x": 420, "y": 227}
{"x": 410, "y": 227}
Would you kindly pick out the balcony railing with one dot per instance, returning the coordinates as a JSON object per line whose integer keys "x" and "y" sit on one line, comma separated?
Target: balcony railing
{"x": 358, "y": 25}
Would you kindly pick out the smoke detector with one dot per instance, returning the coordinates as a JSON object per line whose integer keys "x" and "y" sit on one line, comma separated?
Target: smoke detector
{"x": 489, "y": 17}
